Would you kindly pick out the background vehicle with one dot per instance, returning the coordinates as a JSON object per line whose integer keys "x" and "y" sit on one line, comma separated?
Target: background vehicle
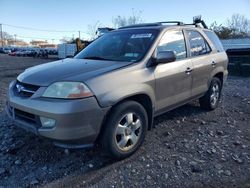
{"x": 12, "y": 53}
{"x": 113, "y": 89}
{"x": 29, "y": 51}
{"x": 6, "y": 51}
{"x": 70, "y": 50}
{"x": 103, "y": 30}
{"x": 1, "y": 50}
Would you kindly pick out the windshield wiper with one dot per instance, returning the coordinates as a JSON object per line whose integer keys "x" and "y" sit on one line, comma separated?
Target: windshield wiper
{"x": 96, "y": 58}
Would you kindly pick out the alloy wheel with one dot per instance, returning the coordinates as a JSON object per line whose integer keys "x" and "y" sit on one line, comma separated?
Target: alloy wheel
{"x": 214, "y": 97}
{"x": 128, "y": 131}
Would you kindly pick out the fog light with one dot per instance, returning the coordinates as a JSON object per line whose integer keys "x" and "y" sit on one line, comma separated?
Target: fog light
{"x": 47, "y": 122}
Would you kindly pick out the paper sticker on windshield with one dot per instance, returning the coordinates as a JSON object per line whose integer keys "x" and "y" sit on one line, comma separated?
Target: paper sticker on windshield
{"x": 138, "y": 36}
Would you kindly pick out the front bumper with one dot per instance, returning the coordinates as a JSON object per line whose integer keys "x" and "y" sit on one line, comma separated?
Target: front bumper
{"x": 77, "y": 121}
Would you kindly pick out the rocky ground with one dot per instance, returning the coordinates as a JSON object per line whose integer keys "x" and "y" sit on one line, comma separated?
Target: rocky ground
{"x": 188, "y": 148}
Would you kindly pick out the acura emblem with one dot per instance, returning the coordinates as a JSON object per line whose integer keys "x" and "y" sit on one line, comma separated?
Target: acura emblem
{"x": 19, "y": 88}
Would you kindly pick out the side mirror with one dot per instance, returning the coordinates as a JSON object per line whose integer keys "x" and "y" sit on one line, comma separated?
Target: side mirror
{"x": 165, "y": 57}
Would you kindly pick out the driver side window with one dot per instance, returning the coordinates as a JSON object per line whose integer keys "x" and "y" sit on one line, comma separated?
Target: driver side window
{"x": 173, "y": 40}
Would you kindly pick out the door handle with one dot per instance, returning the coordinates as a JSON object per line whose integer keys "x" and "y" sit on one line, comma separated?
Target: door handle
{"x": 213, "y": 63}
{"x": 188, "y": 70}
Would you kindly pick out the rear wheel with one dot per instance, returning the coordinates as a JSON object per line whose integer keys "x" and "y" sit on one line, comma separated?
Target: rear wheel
{"x": 211, "y": 99}
{"x": 125, "y": 129}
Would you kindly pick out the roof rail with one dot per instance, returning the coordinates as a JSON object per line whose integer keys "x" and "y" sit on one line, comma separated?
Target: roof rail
{"x": 152, "y": 24}
{"x": 171, "y": 22}
{"x": 196, "y": 22}
{"x": 141, "y": 25}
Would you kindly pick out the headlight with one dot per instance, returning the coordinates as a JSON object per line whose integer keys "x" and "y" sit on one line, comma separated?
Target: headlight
{"x": 67, "y": 90}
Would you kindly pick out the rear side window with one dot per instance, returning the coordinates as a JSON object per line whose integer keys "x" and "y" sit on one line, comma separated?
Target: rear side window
{"x": 198, "y": 45}
{"x": 173, "y": 41}
{"x": 215, "y": 40}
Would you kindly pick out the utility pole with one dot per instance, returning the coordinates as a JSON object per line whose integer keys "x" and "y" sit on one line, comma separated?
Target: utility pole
{"x": 1, "y": 30}
{"x": 15, "y": 39}
{"x": 79, "y": 34}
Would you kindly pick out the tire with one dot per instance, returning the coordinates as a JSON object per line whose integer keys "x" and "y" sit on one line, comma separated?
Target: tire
{"x": 125, "y": 129}
{"x": 211, "y": 99}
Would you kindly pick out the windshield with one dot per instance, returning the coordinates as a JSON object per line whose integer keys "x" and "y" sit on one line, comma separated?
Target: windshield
{"x": 128, "y": 46}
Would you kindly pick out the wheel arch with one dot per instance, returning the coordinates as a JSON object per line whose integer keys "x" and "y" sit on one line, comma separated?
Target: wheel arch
{"x": 146, "y": 102}
{"x": 218, "y": 73}
{"x": 142, "y": 99}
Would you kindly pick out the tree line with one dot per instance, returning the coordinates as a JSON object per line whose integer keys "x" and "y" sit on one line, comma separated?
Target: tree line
{"x": 238, "y": 26}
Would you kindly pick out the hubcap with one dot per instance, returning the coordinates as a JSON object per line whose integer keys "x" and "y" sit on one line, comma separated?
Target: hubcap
{"x": 215, "y": 94}
{"x": 128, "y": 131}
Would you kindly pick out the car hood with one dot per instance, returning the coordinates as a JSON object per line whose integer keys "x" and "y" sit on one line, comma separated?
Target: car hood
{"x": 67, "y": 70}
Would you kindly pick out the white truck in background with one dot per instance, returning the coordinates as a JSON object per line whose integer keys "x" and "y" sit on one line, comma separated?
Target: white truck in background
{"x": 66, "y": 50}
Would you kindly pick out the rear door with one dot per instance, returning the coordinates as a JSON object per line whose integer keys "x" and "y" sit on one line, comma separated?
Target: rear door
{"x": 173, "y": 80}
{"x": 199, "y": 51}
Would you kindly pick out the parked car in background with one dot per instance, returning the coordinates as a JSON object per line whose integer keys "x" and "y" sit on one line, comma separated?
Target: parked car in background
{"x": 29, "y": 51}
{"x": 103, "y": 30}
{"x": 111, "y": 91}
{"x": 20, "y": 53}
{"x": 6, "y": 51}
{"x": 43, "y": 53}
{"x": 1, "y": 50}
{"x": 12, "y": 53}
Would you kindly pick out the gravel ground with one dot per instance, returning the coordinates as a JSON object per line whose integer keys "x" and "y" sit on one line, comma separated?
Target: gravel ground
{"x": 188, "y": 148}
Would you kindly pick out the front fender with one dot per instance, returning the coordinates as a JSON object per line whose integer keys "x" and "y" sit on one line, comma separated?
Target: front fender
{"x": 118, "y": 85}
{"x": 114, "y": 96}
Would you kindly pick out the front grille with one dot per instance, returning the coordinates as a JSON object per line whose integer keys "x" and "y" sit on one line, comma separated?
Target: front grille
{"x": 25, "y": 90}
{"x": 27, "y": 117}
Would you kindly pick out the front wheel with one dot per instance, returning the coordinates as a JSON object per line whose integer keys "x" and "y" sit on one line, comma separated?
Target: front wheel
{"x": 125, "y": 129}
{"x": 211, "y": 99}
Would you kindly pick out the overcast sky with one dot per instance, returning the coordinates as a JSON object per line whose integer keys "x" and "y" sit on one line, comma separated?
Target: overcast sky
{"x": 74, "y": 15}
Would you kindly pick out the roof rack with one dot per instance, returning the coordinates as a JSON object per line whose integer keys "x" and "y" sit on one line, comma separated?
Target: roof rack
{"x": 152, "y": 24}
{"x": 196, "y": 22}
{"x": 141, "y": 25}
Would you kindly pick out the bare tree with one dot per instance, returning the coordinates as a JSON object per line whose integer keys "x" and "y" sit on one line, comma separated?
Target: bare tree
{"x": 222, "y": 32}
{"x": 240, "y": 25}
{"x": 8, "y": 39}
{"x": 7, "y": 36}
{"x": 121, "y": 21}
{"x": 92, "y": 29}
